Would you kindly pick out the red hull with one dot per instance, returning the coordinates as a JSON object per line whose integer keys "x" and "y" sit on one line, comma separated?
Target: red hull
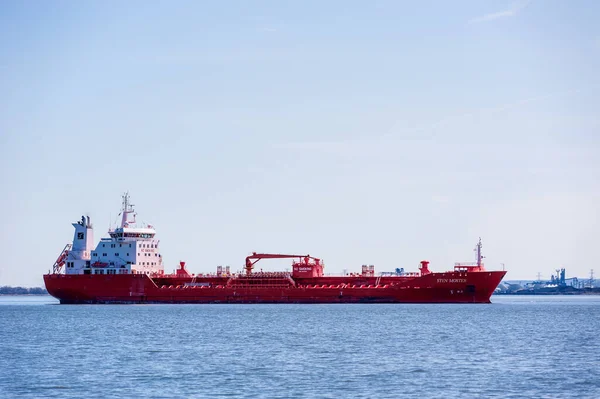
{"x": 449, "y": 287}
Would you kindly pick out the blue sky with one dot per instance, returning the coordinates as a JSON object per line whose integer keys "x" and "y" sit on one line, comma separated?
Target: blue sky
{"x": 380, "y": 132}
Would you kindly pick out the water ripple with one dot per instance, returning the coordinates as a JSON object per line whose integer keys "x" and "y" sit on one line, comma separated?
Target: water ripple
{"x": 514, "y": 348}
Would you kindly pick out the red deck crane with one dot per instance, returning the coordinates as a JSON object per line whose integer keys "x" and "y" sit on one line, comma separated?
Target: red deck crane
{"x": 252, "y": 259}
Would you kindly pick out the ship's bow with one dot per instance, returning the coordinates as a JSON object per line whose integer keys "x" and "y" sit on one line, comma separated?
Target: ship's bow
{"x": 487, "y": 284}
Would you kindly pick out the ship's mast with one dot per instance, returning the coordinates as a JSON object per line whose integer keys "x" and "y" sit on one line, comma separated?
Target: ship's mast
{"x": 126, "y": 210}
{"x": 478, "y": 249}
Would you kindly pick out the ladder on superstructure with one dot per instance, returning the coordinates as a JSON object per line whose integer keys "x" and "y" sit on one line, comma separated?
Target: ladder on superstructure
{"x": 60, "y": 261}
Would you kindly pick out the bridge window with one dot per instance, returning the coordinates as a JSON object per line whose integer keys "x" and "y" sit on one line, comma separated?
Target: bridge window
{"x": 116, "y": 254}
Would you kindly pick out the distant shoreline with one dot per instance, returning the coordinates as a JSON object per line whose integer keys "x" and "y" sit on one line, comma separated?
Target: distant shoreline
{"x": 8, "y": 290}
{"x": 560, "y": 290}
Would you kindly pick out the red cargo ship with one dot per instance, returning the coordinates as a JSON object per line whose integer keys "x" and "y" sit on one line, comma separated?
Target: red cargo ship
{"x": 127, "y": 267}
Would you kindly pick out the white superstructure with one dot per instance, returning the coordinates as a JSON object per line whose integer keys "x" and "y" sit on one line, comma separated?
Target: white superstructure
{"x": 129, "y": 249}
{"x": 79, "y": 256}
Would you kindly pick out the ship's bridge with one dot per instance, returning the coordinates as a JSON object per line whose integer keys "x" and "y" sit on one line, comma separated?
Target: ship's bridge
{"x": 132, "y": 233}
{"x": 131, "y": 248}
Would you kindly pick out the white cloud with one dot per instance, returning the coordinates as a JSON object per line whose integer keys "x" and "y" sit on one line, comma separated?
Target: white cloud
{"x": 511, "y": 12}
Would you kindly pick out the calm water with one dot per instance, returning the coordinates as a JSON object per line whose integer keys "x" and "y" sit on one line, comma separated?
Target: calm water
{"x": 518, "y": 347}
